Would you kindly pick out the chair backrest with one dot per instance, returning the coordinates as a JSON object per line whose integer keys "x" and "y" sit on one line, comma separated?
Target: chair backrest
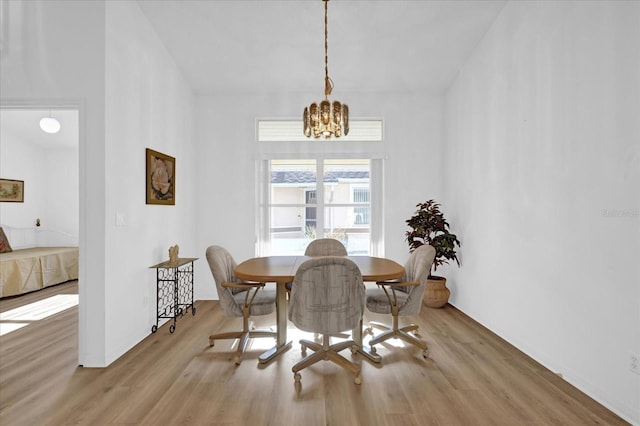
{"x": 222, "y": 267}
{"x": 417, "y": 268}
{"x": 325, "y": 247}
{"x": 327, "y": 295}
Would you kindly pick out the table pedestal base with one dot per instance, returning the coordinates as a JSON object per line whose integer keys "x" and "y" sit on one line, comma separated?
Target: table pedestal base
{"x": 356, "y": 333}
{"x": 366, "y": 352}
{"x": 273, "y": 352}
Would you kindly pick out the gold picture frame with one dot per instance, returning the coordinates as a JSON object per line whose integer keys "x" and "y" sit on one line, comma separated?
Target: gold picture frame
{"x": 11, "y": 191}
{"x": 161, "y": 178}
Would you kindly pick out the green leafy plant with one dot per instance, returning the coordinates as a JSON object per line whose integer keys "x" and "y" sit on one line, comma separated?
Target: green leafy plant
{"x": 428, "y": 226}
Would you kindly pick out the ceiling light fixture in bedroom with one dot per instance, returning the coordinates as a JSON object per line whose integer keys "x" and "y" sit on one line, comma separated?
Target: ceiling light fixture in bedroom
{"x": 326, "y": 119}
{"x": 49, "y": 124}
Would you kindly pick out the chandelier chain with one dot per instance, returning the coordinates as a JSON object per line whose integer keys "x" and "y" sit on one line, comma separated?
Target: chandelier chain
{"x": 328, "y": 84}
{"x": 326, "y": 119}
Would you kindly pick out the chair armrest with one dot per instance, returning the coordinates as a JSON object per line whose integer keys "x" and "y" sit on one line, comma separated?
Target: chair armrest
{"x": 249, "y": 296}
{"x": 245, "y": 286}
{"x": 392, "y": 298}
{"x": 398, "y": 283}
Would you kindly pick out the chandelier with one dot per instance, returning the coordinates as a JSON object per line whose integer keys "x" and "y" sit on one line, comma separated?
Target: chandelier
{"x": 327, "y": 118}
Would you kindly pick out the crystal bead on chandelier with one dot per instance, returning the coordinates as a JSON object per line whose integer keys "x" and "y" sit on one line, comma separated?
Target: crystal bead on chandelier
{"x": 327, "y": 118}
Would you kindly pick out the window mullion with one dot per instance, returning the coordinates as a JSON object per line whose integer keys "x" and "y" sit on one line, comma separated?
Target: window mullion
{"x": 320, "y": 198}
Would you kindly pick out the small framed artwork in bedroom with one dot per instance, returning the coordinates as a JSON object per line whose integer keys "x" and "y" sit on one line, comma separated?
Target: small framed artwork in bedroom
{"x": 161, "y": 178}
{"x": 11, "y": 191}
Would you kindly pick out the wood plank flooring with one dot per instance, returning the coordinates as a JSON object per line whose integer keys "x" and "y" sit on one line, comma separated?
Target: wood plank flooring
{"x": 471, "y": 378}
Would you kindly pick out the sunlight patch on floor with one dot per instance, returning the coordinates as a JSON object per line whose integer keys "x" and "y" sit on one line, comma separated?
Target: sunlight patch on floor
{"x": 397, "y": 343}
{"x": 8, "y": 327}
{"x": 294, "y": 335}
{"x": 41, "y": 309}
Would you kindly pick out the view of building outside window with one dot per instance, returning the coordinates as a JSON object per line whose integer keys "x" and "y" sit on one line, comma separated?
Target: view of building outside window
{"x": 300, "y": 210}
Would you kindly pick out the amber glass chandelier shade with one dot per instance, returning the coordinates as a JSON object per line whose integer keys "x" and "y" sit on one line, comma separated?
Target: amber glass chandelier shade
{"x": 326, "y": 119}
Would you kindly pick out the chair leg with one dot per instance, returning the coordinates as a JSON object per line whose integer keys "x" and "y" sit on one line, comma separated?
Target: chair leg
{"x": 343, "y": 362}
{"x": 410, "y": 327}
{"x": 308, "y": 360}
{"x": 401, "y": 333}
{"x": 339, "y": 335}
{"x": 255, "y": 334}
{"x": 325, "y": 351}
{"x": 243, "y": 338}
{"x": 379, "y": 325}
{"x": 314, "y": 346}
{"x": 224, "y": 336}
{"x": 242, "y": 344}
{"x": 382, "y": 337}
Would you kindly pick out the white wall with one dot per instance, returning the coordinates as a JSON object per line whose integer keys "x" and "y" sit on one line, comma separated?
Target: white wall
{"x": 148, "y": 105}
{"x": 542, "y": 170}
{"x": 227, "y": 150}
{"x": 541, "y": 163}
{"x": 51, "y": 189}
{"x": 70, "y": 53}
{"x": 61, "y": 210}
{"x": 54, "y": 53}
{"x": 22, "y": 160}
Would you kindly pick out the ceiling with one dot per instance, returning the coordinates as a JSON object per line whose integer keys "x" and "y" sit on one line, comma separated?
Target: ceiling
{"x": 244, "y": 46}
{"x": 254, "y": 46}
{"x": 23, "y": 123}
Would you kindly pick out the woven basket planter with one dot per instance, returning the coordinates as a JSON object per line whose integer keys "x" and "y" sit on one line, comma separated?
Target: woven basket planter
{"x": 436, "y": 294}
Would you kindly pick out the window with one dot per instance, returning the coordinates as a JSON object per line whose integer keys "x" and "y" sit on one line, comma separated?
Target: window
{"x": 311, "y": 199}
{"x": 317, "y": 189}
{"x": 361, "y": 213}
{"x": 291, "y": 130}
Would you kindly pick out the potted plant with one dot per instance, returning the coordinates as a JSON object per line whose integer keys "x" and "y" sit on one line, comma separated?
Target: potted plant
{"x": 428, "y": 226}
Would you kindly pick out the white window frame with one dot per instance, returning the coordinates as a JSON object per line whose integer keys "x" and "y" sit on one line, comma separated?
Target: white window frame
{"x": 311, "y": 149}
{"x": 352, "y": 189}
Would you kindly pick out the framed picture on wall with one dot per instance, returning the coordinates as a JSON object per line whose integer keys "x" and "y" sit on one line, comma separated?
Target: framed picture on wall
{"x": 11, "y": 191}
{"x": 161, "y": 178}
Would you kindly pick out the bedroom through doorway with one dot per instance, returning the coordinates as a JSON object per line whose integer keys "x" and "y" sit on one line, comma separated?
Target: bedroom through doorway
{"x": 44, "y": 163}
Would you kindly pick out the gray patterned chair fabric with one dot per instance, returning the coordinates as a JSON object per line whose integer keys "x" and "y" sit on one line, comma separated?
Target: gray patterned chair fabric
{"x": 238, "y": 299}
{"x": 402, "y": 298}
{"x": 327, "y": 297}
{"x": 325, "y": 247}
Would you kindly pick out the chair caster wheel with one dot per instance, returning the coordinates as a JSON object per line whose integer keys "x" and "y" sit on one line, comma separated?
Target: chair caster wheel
{"x": 237, "y": 360}
{"x": 304, "y": 351}
{"x": 357, "y": 380}
{"x": 373, "y": 350}
{"x": 368, "y": 330}
{"x": 354, "y": 349}
{"x": 425, "y": 353}
{"x": 297, "y": 377}
{"x": 212, "y": 343}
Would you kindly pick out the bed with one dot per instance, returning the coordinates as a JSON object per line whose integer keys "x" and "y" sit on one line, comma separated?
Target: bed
{"x": 28, "y": 269}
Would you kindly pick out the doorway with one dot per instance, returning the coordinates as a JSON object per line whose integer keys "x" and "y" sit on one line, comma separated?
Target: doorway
{"x": 49, "y": 166}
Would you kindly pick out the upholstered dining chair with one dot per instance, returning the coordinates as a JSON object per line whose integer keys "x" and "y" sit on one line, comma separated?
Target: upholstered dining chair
{"x": 325, "y": 247}
{"x": 327, "y": 297}
{"x": 239, "y": 299}
{"x": 401, "y": 298}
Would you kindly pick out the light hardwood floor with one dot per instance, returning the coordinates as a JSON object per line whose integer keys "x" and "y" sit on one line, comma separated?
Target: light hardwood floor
{"x": 472, "y": 378}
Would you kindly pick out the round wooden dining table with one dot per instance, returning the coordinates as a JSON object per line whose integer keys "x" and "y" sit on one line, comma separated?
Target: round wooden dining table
{"x": 282, "y": 270}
